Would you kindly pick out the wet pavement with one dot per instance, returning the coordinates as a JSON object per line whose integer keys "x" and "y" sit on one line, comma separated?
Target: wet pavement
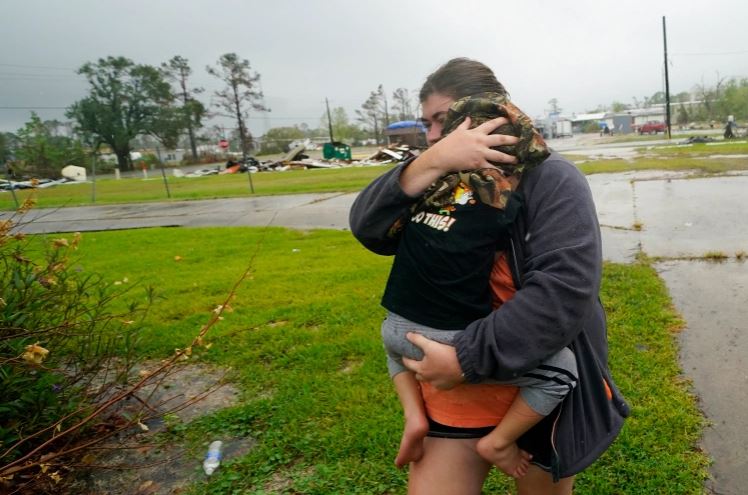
{"x": 711, "y": 297}
{"x": 303, "y": 211}
{"x": 663, "y": 214}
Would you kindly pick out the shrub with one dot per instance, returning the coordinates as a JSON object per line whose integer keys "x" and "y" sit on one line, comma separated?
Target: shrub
{"x": 65, "y": 348}
{"x": 591, "y": 127}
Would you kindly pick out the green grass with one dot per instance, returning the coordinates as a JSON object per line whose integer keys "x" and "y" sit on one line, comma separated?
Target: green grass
{"x": 636, "y": 137}
{"x": 701, "y": 149}
{"x": 303, "y": 343}
{"x": 110, "y": 191}
{"x": 704, "y": 165}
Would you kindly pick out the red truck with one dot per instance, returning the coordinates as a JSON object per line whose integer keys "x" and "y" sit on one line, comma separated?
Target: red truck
{"x": 652, "y": 127}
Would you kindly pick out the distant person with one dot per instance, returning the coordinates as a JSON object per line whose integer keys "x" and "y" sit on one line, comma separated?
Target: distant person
{"x": 728, "y": 131}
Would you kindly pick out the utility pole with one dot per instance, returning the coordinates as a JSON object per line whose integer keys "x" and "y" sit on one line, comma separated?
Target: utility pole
{"x": 667, "y": 81}
{"x": 163, "y": 173}
{"x": 329, "y": 120}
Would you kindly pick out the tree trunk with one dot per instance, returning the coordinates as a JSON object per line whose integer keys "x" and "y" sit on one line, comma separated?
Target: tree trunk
{"x": 193, "y": 145}
{"x": 123, "y": 160}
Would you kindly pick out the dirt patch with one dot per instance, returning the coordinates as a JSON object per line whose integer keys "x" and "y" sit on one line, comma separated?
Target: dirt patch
{"x": 138, "y": 463}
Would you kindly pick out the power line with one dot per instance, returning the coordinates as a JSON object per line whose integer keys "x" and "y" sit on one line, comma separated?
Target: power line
{"x": 699, "y": 54}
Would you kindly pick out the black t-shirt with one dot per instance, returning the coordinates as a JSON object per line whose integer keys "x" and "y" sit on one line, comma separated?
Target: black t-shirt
{"x": 443, "y": 261}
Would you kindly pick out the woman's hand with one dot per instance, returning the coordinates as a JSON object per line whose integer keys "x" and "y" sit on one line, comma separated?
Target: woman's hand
{"x": 461, "y": 149}
{"x": 439, "y": 365}
{"x": 467, "y": 149}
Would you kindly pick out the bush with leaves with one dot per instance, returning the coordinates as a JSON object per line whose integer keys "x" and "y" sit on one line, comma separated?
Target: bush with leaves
{"x": 41, "y": 153}
{"x": 64, "y": 351}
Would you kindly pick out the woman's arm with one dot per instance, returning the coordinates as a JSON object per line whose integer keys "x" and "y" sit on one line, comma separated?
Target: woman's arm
{"x": 388, "y": 197}
{"x": 376, "y": 209}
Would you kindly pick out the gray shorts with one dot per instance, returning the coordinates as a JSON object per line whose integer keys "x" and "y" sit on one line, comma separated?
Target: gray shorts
{"x": 542, "y": 388}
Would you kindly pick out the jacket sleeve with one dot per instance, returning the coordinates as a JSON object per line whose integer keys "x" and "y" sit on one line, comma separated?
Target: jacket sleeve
{"x": 376, "y": 208}
{"x": 560, "y": 279}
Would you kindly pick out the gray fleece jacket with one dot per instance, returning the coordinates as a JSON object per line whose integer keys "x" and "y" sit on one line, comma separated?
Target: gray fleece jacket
{"x": 556, "y": 260}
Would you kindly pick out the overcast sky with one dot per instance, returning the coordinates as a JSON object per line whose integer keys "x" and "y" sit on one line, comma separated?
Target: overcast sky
{"x": 583, "y": 53}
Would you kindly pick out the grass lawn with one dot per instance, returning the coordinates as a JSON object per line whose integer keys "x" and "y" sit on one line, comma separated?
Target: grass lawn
{"x": 303, "y": 343}
{"x": 213, "y": 186}
{"x": 672, "y": 163}
{"x": 133, "y": 190}
{"x": 731, "y": 147}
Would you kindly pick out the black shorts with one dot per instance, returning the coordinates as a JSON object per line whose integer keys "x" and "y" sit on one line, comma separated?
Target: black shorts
{"x": 537, "y": 441}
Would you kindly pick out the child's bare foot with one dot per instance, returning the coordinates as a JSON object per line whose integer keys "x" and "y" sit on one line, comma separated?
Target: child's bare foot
{"x": 411, "y": 444}
{"x": 509, "y": 458}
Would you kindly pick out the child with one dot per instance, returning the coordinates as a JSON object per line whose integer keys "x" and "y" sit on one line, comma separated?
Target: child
{"x": 450, "y": 248}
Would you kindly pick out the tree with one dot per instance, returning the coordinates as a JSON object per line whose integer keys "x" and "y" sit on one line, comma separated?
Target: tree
{"x": 644, "y": 103}
{"x": 553, "y": 102}
{"x": 167, "y": 125}
{"x": 709, "y": 96}
{"x": 342, "y": 129}
{"x": 733, "y": 100}
{"x": 178, "y": 70}
{"x": 240, "y": 94}
{"x": 6, "y": 148}
{"x": 682, "y": 117}
{"x": 124, "y": 101}
{"x": 278, "y": 139}
{"x": 373, "y": 112}
{"x": 43, "y": 154}
{"x": 658, "y": 98}
{"x": 617, "y": 106}
{"x": 402, "y": 104}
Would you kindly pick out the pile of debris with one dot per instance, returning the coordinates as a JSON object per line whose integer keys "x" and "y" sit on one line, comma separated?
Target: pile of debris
{"x": 393, "y": 153}
{"x": 698, "y": 139}
{"x": 296, "y": 159}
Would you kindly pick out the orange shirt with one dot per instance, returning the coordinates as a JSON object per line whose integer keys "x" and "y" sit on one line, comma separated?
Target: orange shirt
{"x": 476, "y": 405}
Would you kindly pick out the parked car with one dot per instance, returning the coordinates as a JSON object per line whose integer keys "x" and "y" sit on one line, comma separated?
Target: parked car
{"x": 652, "y": 127}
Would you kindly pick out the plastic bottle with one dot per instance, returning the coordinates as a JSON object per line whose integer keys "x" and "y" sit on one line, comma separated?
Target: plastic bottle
{"x": 213, "y": 457}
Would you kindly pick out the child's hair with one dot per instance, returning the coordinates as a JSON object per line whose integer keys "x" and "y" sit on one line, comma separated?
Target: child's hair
{"x": 461, "y": 77}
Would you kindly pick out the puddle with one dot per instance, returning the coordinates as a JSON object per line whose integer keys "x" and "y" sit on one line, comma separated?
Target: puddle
{"x": 693, "y": 217}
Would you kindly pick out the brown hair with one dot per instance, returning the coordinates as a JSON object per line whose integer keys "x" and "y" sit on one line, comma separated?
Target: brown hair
{"x": 461, "y": 77}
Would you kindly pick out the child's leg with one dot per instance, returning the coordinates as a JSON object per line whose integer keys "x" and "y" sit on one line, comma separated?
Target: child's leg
{"x": 394, "y": 329}
{"x": 416, "y": 423}
{"x": 542, "y": 389}
{"x": 500, "y": 446}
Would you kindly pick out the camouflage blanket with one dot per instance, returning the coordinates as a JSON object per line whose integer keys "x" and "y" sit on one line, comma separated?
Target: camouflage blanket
{"x": 493, "y": 186}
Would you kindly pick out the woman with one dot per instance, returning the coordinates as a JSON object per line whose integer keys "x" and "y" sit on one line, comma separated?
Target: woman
{"x": 556, "y": 261}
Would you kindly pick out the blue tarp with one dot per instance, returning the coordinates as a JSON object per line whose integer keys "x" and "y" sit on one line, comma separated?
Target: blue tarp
{"x": 406, "y": 124}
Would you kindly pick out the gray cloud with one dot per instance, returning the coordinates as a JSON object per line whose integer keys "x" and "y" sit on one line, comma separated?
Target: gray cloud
{"x": 581, "y": 52}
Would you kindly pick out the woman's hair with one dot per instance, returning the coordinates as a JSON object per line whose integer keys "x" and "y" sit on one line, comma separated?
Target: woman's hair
{"x": 461, "y": 77}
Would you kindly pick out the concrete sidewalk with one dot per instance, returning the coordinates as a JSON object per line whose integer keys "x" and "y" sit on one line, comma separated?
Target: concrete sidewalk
{"x": 679, "y": 218}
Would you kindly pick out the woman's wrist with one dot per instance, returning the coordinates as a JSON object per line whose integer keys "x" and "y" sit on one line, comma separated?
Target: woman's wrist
{"x": 420, "y": 174}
